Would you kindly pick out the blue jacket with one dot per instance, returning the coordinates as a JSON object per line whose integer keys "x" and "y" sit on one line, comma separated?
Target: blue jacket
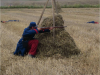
{"x": 21, "y": 48}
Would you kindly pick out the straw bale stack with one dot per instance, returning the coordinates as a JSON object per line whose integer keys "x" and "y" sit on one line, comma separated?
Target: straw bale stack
{"x": 63, "y": 43}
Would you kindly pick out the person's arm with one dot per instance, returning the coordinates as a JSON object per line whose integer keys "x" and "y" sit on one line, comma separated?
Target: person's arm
{"x": 42, "y": 30}
{"x": 28, "y": 32}
{"x": 34, "y": 31}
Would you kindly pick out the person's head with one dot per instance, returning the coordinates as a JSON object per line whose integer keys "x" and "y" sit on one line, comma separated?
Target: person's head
{"x": 3, "y": 21}
{"x": 32, "y": 25}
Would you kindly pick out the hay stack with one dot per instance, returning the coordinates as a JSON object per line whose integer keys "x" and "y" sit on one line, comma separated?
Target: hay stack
{"x": 58, "y": 7}
{"x": 64, "y": 44}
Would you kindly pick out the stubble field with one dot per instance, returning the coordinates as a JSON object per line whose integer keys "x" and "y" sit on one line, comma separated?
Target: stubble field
{"x": 85, "y": 35}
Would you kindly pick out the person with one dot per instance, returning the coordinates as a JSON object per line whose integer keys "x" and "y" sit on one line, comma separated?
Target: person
{"x": 93, "y": 22}
{"x": 28, "y": 44}
{"x": 9, "y": 21}
{"x": 3, "y": 21}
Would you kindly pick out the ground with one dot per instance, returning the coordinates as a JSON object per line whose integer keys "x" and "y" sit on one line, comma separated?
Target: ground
{"x": 84, "y": 34}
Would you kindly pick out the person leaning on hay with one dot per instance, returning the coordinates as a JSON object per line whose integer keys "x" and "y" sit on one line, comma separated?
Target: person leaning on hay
{"x": 28, "y": 44}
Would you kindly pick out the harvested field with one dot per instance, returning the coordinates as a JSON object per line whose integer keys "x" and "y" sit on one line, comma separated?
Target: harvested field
{"x": 85, "y": 36}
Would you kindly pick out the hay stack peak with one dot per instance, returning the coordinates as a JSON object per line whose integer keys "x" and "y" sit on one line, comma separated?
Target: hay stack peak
{"x": 64, "y": 44}
{"x": 58, "y": 8}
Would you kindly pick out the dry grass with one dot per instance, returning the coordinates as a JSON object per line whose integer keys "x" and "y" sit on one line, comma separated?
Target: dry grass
{"x": 85, "y": 36}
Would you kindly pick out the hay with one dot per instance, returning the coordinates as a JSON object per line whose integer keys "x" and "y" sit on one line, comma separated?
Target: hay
{"x": 58, "y": 8}
{"x": 64, "y": 44}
